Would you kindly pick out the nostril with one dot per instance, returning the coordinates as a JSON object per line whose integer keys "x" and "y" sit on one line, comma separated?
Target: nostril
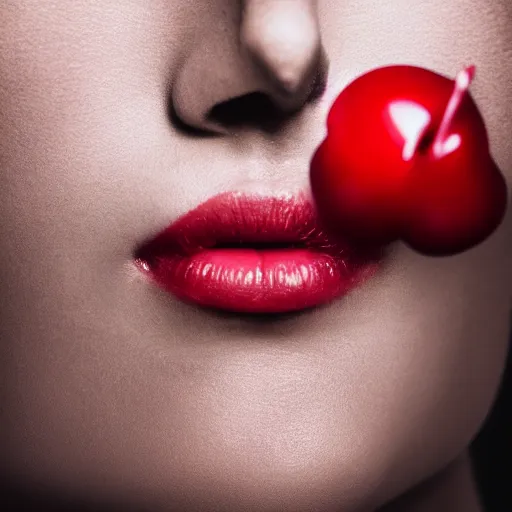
{"x": 254, "y": 110}
{"x": 258, "y": 110}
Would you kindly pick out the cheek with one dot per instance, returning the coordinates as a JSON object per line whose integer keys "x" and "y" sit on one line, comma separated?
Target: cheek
{"x": 430, "y": 350}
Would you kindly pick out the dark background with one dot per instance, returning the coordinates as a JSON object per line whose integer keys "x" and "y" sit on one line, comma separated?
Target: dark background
{"x": 492, "y": 450}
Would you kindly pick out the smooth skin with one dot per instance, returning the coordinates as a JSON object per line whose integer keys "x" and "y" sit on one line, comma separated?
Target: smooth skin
{"x": 120, "y": 394}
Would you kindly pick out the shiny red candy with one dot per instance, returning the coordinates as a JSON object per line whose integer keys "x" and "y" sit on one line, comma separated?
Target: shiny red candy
{"x": 407, "y": 157}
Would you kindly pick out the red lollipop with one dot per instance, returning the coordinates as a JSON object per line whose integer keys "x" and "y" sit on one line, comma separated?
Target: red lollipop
{"x": 407, "y": 157}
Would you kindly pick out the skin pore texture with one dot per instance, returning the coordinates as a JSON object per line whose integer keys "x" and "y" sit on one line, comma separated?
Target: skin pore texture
{"x": 115, "y": 392}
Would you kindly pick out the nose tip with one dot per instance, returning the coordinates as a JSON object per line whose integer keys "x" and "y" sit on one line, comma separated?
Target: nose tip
{"x": 283, "y": 39}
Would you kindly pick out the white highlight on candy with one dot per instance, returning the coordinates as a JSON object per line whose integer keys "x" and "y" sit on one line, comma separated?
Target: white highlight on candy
{"x": 410, "y": 119}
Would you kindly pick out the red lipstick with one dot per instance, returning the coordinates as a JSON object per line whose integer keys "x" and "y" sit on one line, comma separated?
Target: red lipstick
{"x": 254, "y": 254}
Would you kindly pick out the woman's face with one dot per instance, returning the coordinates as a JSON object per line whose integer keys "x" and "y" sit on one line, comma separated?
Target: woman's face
{"x": 111, "y": 386}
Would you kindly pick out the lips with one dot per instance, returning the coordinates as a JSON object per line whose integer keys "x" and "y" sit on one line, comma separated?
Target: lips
{"x": 254, "y": 254}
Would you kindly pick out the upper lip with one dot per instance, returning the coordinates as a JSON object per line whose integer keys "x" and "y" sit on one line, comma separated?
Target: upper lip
{"x": 251, "y": 220}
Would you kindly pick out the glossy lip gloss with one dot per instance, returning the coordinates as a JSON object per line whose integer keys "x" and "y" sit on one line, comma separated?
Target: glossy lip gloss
{"x": 255, "y": 253}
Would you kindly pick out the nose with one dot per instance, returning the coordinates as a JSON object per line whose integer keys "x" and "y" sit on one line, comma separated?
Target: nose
{"x": 283, "y": 38}
{"x": 258, "y": 70}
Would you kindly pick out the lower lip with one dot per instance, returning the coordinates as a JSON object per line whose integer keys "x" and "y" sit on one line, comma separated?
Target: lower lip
{"x": 258, "y": 281}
